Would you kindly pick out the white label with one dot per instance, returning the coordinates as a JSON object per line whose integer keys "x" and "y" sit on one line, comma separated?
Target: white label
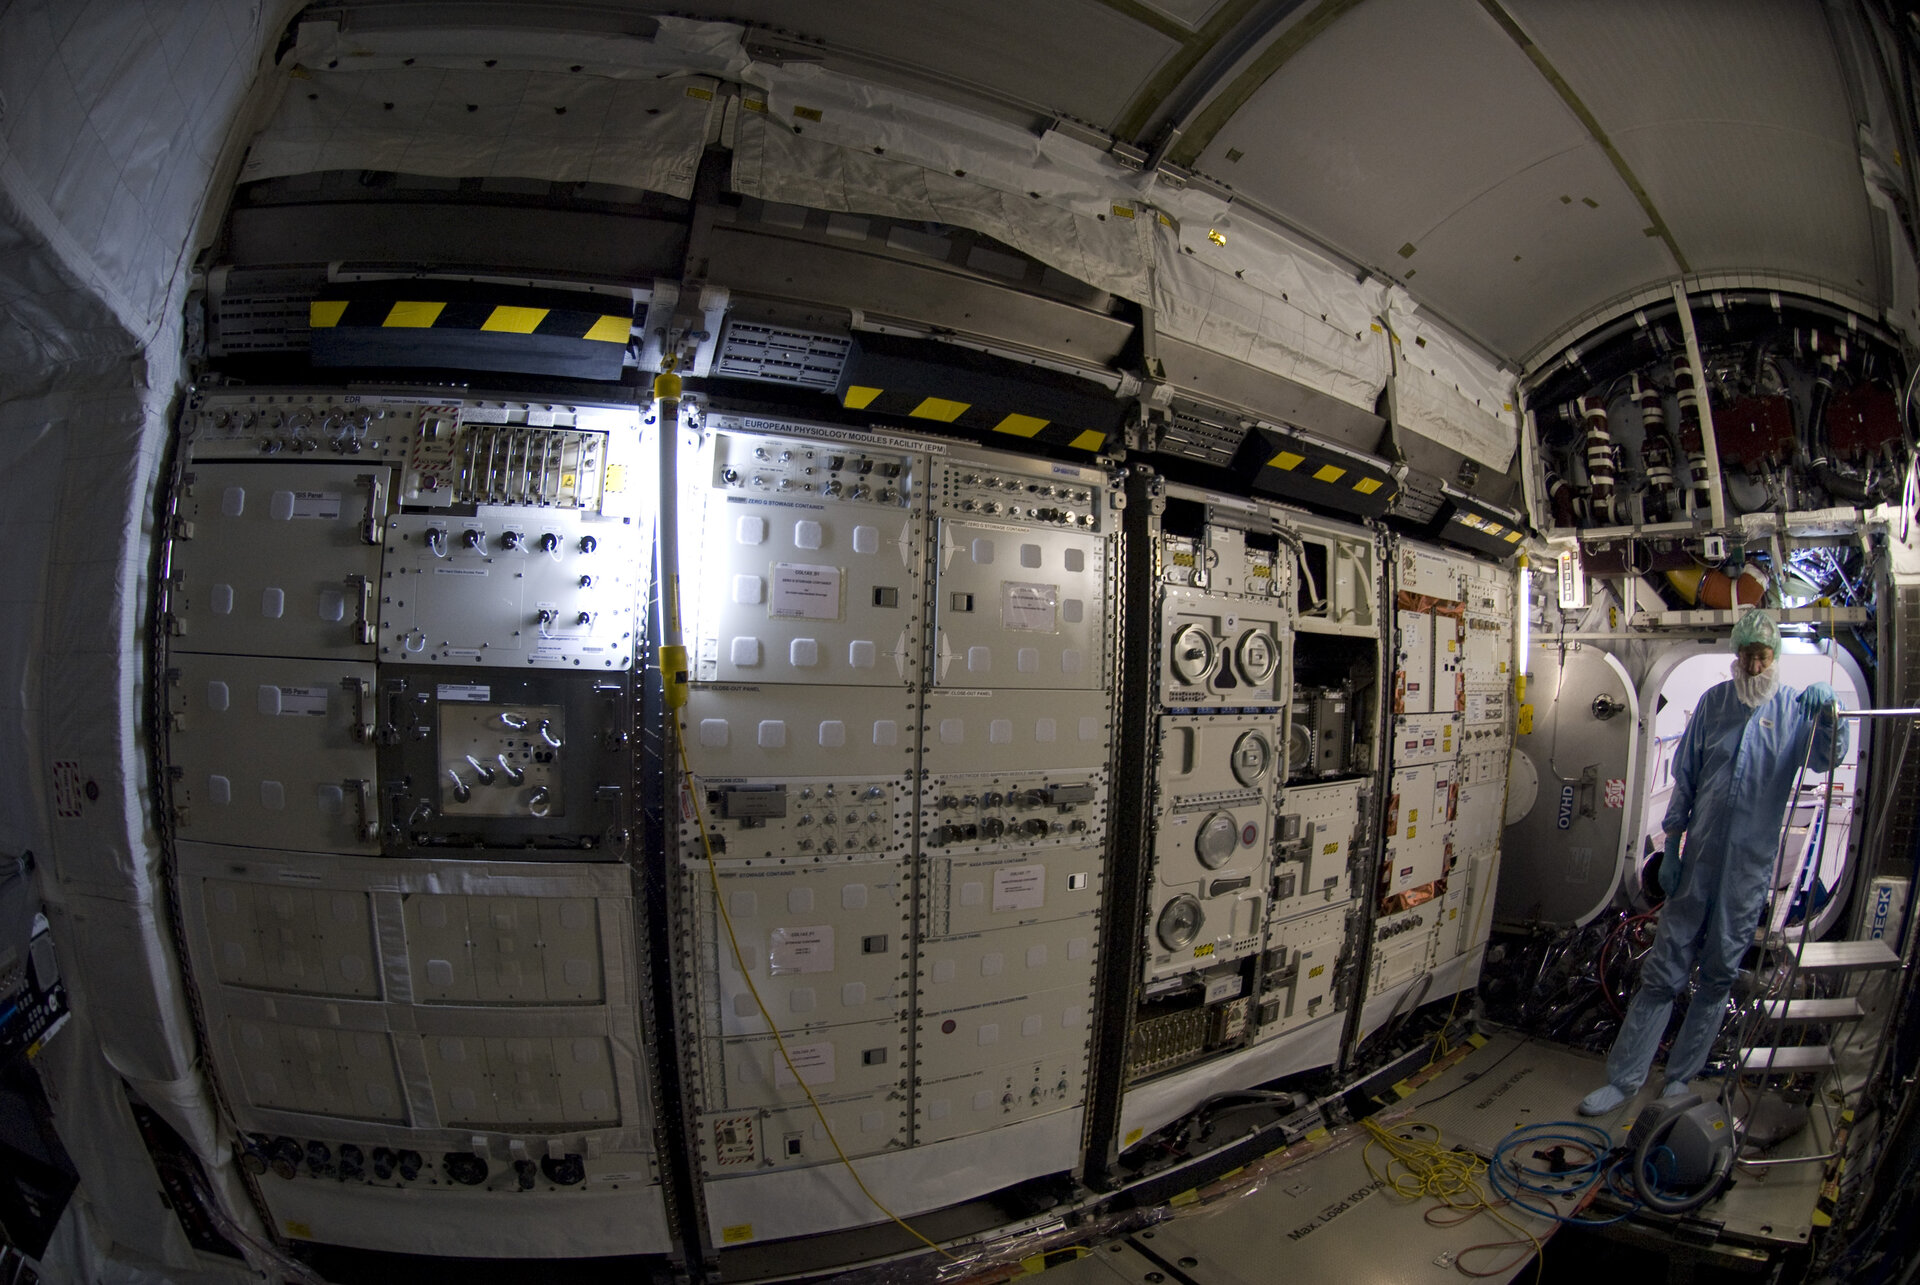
{"x": 303, "y": 700}
{"x": 805, "y": 592}
{"x": 802, "y": 950}
{"x": 1220, "y": 988}
{"x": 1020, "y": 888}
{"x": 1033, "y": 608}
{"x": 316, "y": 504}
{"x": 460, "y": 571}
{"x": 814, "y": 1061}
{"x": 464, "y": 692}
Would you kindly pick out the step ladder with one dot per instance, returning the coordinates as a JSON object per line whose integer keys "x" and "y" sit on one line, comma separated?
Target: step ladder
{"x": 1765, "y": 1041}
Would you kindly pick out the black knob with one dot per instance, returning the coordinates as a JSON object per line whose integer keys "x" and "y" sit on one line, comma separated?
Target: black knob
{"x": 512, "y": 540}
{"x": 1035, "y": 827}
{"x": 465, "y": 1168}
{"x": 588, "y": 544}
{"x": 283, "y": 1157}
{"x": 353, "y": 1161}
{"x": 524, "y": 1173}
{"x": 383, "y": 1161}
{"x": 319, "y": 1159}
{"x": 410, "y": 1163}
{"x": 549, "y": 542}
{"x": 474, "y": 539}
{"x": 566, "y": 1171}
{"x": 253, "y": 1155}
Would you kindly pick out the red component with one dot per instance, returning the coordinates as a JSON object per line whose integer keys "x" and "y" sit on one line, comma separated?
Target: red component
{"x": 1862, "y": 422}
{"x": 1755, "y": 432}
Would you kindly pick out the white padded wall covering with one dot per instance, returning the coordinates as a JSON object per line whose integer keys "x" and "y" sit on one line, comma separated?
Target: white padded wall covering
{"x": 1265, "y": 298}
{"x": 117, "y": 119}
{"x": 1446, "y": 391}
{"x": 827, "y": 141}
{"x": 498, "y": 104}
{"x": 115, "y": 116}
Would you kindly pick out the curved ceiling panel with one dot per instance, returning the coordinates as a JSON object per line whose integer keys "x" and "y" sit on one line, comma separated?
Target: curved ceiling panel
{"x": 1082, "y": 58}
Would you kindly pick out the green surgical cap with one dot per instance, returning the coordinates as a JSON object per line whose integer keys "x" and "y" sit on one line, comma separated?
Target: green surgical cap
{"x": 1756, "y": 629}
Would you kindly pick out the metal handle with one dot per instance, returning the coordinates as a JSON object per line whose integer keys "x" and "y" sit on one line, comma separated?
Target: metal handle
{"x": 363, "y": 617}
{"x": 362, "y": 791}
{"x": 376, "y": 508}
{"x": 362, "y": 692}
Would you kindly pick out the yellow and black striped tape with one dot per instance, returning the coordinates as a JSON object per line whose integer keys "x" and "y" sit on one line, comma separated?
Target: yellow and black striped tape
{"x": 989, "y": 398}
{"x": 469, "y": 314}
{"x": 1296, "y": 467}
{"x": 911, "y": 404}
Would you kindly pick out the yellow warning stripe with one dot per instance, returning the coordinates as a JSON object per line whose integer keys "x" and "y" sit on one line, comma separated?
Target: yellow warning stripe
{"x": 322, "y": 313}
{"x": 517, "y": 321}
{"x": 1286, "y": 460}
{"x": 1021, "y": 425}
{"x": 940, "y": 408}
{"x": 859, "y": 396}
{"x": 412, "y": 314}
{"x": 610, "y": 330}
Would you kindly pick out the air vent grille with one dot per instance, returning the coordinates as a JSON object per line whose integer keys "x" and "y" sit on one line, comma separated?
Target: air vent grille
{"x": 1207, "y": 438}
{"x": 781, "y": 355}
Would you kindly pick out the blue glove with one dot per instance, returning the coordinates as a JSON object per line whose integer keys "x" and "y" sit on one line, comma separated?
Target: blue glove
{"x": 1819, "y": 702}
{"x": 1670, "y": 865}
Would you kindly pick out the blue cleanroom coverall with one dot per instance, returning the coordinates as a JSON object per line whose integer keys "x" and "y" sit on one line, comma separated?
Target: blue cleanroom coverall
{"x": 1732, "y": 775}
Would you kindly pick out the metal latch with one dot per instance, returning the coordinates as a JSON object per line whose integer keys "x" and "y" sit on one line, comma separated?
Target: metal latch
{"x": 362, "y": 791}
{"x": 376, "y": 509}
{"x": 363, "y": 625}
{"x": 361, "y": 689}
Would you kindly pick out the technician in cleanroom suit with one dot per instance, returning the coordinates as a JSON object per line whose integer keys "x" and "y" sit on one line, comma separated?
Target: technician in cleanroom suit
{"x": 1732, "y": 773}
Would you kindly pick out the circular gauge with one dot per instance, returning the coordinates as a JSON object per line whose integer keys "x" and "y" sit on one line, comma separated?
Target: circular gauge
{"x": 1258, "y": 656}
{"x": 1252, "y": 757}
{"x": 1192, "y": 654}
{"x": 1179, "y": 922}
{"x": 1523, "y": 786}
{"x": 1299, "y": 749}
{"x": 1218, "y": 838}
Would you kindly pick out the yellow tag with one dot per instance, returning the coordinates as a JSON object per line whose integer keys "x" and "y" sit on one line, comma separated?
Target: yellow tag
{"x": 1201, "y": 952}
{"x": 754, "y": 104}
{"x": 700, "y": 92}
{"x": 1331, "y": 848}
{"x": 566, "y": 481}
{"x": 1187, "y": 1197}
{"x": 1134, "y": 1135}
{"x": 1411, "y": 831}
{"x": 1166, "y": 222}
{"x": 1719, "y": 1124}
{"x": 616, "y": 477}
{"x": 807, "y": 113}
{"x": 738, "y": 1234}
{"x": 1314, "y": 1135}
{"x": 299, "y": 1231}
{"x": 1316, "y": 972}
{"x": 1413, "y": 814}
{"x": 1123, "y": 211}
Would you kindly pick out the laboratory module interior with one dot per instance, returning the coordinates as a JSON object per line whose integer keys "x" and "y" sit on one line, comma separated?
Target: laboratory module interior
{"x": 935, "y": 644}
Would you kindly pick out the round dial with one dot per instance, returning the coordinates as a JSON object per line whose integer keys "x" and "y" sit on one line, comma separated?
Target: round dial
{"x": 1259, "y": 656}
{"x": 1179, "y": 922}
{"x": 1218, "y": 838}
{"x": 1192, "y": 654}
{"x": 1252, "y": 757}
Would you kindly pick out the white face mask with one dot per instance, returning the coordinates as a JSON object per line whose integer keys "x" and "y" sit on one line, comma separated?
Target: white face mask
{"x": 1753, "y": 689}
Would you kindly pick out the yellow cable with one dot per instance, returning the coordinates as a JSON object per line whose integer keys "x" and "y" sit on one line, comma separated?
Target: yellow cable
{"x": 1426, "y": 1168}
{"x": 740, "y": 962}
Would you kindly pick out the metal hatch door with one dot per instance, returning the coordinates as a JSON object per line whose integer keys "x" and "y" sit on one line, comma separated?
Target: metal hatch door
{"x": 1567, "y": 788}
